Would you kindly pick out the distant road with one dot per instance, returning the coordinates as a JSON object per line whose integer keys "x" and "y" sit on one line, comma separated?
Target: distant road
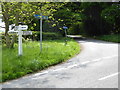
{"x": 95, "y": 67}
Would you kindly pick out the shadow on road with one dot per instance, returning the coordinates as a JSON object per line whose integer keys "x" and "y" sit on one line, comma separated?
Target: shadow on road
{"x": 94, "y": 41}
{"x": 81, "y": 39}
{"x": 84, "y": 40}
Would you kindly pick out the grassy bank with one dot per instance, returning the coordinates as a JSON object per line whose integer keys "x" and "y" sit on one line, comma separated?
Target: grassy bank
{"x": 110, "y": 38}
{"x": 54, "y": 52}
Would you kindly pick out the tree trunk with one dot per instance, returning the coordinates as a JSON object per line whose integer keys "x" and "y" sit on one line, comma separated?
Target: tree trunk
{"x": 7, "y": 38}
{"x": 14, "y": 36}
{"x": 6, "y": 19}
{"x": 9, "y": 42}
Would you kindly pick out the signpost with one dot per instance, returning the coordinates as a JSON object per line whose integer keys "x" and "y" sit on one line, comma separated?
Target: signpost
{"x": 20, "y": 51}
{"x": 41, "y": 17}
{"x": 18, "y": 30}
{"x": 64, "y": 27}
{"x": 41, "y": 33}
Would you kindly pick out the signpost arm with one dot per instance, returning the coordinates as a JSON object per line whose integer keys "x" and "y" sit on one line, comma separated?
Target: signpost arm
{"x": 41, "y": 33}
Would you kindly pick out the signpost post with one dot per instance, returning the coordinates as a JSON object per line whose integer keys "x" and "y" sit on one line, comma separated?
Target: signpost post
{"x": 64, "y": 27}
{"x": 18, "y": 30}
{"x": 41, "y": 17}
{"x": 20, "y": 52}
{"x": 41, "y": 33}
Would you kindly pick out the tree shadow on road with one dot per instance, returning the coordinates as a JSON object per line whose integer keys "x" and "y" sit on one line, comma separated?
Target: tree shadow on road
{"x": 85, "y": 40}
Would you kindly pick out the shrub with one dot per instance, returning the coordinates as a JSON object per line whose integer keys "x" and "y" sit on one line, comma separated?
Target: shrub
{"x": 46, "y": 36}
{"x": 110, "y": 38}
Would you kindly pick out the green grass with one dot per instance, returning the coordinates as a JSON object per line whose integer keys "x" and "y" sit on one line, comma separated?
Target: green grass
{"x": 110, "y": 38}
{"x": 54, "y": 52}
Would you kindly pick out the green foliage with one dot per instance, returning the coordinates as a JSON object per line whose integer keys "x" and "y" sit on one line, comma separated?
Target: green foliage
{"x": 90, "y": 18}
{"x": 14, "y": 12}
{"x": 76, "y": 28}
{"x": 46, "y": 36}
{"x": 51, "y": 36}
{"x": 53, "y": 52}
{"x": 110, "y": 38}
{"x": 112, "y": 15}
{"x": 24, "y": 11}
{"x": 69, "y": 15}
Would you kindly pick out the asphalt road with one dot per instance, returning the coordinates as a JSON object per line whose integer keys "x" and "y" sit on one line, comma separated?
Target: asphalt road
{"x": 95, "y": 67}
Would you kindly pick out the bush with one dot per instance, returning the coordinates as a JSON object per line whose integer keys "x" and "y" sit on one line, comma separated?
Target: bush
{"x": 2, "y": 38}
{"x": 46, "y": 36}
{"x": 110, "y": 38}
{"x": 49, "y": 35}
{"x": 96, "y": 27}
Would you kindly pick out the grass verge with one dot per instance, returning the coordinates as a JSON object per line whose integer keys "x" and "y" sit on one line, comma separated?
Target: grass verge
{"x": 109, "y": 38}
{"x": 53, "y": 52}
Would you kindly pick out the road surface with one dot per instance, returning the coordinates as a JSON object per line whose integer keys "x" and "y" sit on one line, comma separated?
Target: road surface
{"x": 95, "y": 67}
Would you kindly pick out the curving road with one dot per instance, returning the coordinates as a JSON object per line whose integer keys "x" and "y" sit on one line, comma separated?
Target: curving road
{"x": 95, "y": 67}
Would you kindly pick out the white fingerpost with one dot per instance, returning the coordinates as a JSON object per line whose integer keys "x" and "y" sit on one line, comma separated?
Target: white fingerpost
{"x": 41, "y": 33}
{"x": 20, "y": 32}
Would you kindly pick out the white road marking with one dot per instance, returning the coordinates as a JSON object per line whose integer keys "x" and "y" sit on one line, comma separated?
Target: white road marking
{"x": 108, "y": 76}
{"x": 59, "y": 69}
{"x": 96, "y": 60}
{"x": 72, "y": 66}
{"x": 85, "y": 62}
{"x": 36, "y": 76}
{"x": 40, "y": 73}
{"x": 66, "y": 67}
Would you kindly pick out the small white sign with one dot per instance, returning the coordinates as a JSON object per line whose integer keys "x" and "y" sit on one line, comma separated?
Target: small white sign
{"x": 27, "y": 32}
{"x": 18, "y": 30}
{"x": 13, "y": 32}
{"x": 22, "y": 32}
{"x": 23, "y": 27}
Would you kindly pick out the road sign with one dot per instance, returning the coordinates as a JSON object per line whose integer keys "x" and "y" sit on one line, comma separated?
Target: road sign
{"x": 23, "y": 27}
{"x": 13, "y": 32}
{"x": 39, "y": 16}
{"x": 44, "y": 17}
{"x": 23, "y": 32}
{"x": 27, "y": 32}
{"x": 18, "y": 30}
{"x": 64, "y": 27}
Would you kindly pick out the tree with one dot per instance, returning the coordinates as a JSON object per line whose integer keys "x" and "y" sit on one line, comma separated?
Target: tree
{"x": 14, "y": 12}
{"x": 112, "y": 16}
{"x": 69, "y": 15}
